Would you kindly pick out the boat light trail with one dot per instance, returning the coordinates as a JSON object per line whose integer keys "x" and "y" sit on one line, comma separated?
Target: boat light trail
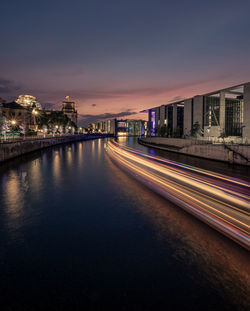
{"x": 220, "y": 201}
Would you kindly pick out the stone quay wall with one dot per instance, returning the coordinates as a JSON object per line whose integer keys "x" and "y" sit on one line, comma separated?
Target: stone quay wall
{"x": 10, "y": 150}
{"x": 231, "y": 153}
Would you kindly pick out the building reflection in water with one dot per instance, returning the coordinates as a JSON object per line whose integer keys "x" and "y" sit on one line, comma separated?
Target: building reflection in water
{"x": 80, "y": 154}
{"x": 220, "y": 261}
{"x": 69, "y": 157}
{"x": 15, "y": 187}
{"x": 35, "y": 175}
{"x": 56, "y": 167}
{"x": 99, "y": 148}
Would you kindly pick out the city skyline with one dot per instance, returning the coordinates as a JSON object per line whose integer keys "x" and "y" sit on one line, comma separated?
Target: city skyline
{"x": 119, "y": 58}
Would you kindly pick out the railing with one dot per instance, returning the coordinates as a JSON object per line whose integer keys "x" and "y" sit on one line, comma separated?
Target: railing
{"x": 11, "y": 139}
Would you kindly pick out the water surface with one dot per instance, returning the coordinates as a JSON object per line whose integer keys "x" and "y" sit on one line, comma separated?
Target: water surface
{"x": 76, "y": 232}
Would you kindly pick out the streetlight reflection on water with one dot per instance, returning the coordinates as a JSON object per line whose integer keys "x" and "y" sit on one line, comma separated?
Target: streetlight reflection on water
{"x": 83, "y": 219}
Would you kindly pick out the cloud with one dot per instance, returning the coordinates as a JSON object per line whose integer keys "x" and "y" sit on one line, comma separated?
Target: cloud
{"x": 8, "y": 86}
{"x": 176, "y": 99}
{"x": 146, "y": 91}
{"x": 86, "y": 119}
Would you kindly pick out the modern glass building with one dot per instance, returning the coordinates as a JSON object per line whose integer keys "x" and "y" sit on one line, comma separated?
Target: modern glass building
{"x": 222, "y": 113}
{"x": 121, "y": 127}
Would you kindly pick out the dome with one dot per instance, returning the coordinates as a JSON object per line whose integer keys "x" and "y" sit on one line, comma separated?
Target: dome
{"x": 28, "y": 101}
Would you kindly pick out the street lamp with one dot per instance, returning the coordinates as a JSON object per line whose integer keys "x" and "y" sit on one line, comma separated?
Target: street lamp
{"x": 13, "y": 122}
{"x": 35, "y": 112}
{"x": 208, "y": 131}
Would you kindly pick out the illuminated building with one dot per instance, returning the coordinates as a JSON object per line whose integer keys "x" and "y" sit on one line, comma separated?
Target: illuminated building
{"x": 121, "y": 127}
{"x": 68, "y": 108}
{"x": 28, "y": 101}
{"x": 221, "y": 113}
{"x": 18, "y": 113}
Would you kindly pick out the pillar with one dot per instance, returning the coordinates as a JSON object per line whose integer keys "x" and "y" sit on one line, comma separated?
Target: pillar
{"x": 162, "y": 115}
{"x": 246, "y": 112}
{"x": 187, "y": 116}
{"x": 198, "y": 110}
{"x": 174, "y": 117}
{"x": 222, "y": 112}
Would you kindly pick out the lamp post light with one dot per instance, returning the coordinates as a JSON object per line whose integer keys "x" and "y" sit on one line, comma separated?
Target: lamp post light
{"x": 13, "y": 122}
{"x": 208, "y": 131}
{"x": 60, "y": 130}
{"x": 54, "y": 129}
{"x": 44, "y": 131}
{"x": 35, "y": 113}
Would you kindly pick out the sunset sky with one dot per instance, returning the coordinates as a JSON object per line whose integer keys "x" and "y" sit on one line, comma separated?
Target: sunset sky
{"x": 115, "y": 58}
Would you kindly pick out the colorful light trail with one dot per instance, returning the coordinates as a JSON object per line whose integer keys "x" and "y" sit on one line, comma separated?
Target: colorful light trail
{"x": 220, "y": 201}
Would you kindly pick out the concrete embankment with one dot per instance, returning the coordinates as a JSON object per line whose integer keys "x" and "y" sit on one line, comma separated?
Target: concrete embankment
{"x": 10, "y": 150}
{"x": 239, "y": 154}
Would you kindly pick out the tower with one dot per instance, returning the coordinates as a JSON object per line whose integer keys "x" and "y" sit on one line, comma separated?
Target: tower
{"x": 68, "y": 108}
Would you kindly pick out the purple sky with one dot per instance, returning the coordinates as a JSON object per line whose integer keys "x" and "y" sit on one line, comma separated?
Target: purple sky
{"x": 119, "y": 57}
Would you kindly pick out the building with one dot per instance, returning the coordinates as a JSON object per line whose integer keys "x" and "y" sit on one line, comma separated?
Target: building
{"x": 106, "y": 126}
{"x": 121, "y": 127}
{"x": 25, "y": 110}
{"x": 131, "y": 127}
{"x": 18, "y": 113}
{"x": 221, "y": 113}
{"x": 28, "y": 101}
{"x": 68, "y": 108}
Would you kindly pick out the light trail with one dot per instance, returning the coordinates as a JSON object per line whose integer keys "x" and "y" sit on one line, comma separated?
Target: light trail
{"x": 173, "y": 164}
{"x": 197, "y": 191}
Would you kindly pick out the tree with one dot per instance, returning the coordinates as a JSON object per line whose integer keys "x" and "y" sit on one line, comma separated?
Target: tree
{"x": 53, "y": 119}
{"x": 196, "y": 130}
{"x": 4, "y": 126}
{"x": 23, "y": 129}
{"x": 163, "y": 131}
{"x": 177, "y": 132}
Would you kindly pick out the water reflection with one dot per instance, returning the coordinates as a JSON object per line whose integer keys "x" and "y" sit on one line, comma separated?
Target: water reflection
{"x": 69, "y": 157}
{"x": 99, "y": 148}
{"x": 239, "y": 171}
{"x": 80, "y": 154}
{"x": 35, "y": 175}
{"x": 222, "y": 262}
{"x": 56, "y": 167}
{"x": 101, "y": 235}
{"x": 15, "y": 186}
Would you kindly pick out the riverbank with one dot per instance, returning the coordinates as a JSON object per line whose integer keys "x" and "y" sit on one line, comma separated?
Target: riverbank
{"x": 239, "y": 154}
{"x": 10, "y": 150}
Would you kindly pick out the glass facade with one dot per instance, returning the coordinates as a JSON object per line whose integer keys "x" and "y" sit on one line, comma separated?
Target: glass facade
{"x": 170, "y": 120}
{"x": 180, "y": 118}
{"x": 234, "y": 117}
{"x": 212, "y": 110}
{"x": 153, "y": 122}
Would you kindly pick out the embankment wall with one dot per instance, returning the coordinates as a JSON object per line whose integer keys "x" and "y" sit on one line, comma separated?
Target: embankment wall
{"x": 239, "y": 154}
{"x": 10, "y": 150}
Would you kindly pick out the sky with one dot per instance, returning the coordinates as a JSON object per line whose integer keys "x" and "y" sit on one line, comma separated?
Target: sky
{"x": 116, "y": 58}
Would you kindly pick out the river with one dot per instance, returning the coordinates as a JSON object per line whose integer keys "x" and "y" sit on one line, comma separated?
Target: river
{"x": 78, "y": 233}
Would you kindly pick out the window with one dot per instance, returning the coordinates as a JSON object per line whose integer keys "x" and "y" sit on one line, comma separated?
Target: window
{"x": 212, "y": 110}
{"x": 233, "y": 117}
